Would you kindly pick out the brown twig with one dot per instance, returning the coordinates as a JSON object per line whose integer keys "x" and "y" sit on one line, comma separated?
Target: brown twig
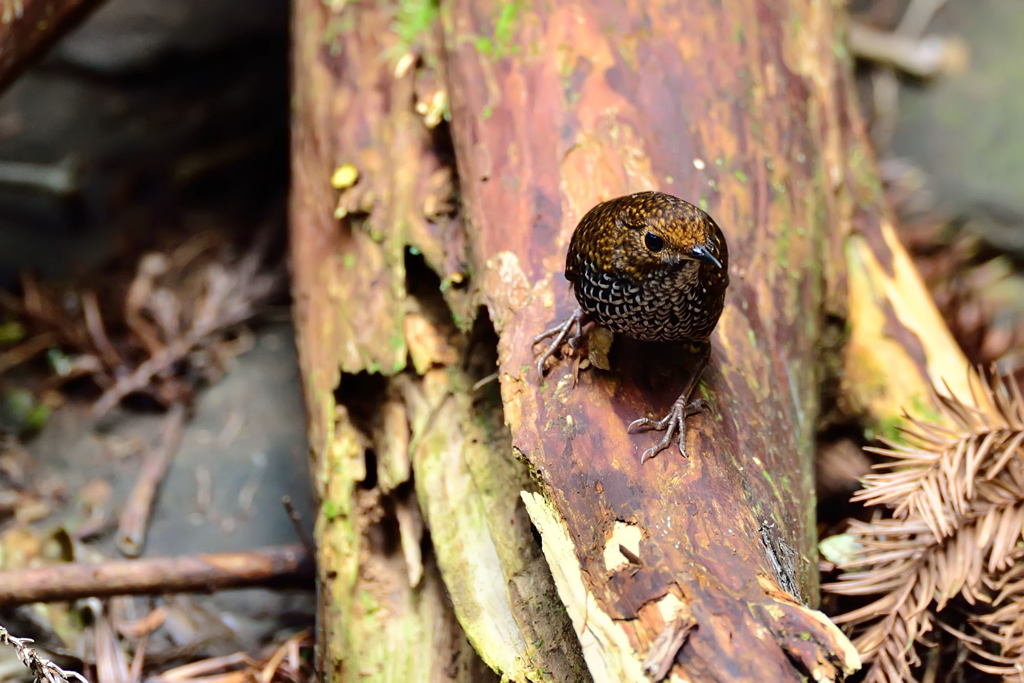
{"x": 230, "y": 298}
{"x": 27, "y": 27}
{"x": 906, "y": 49}
{"x": 111, "y": 664}
{"x": 131, "y": 536}
{"x": 286, "y": 654}
{"x": 97, "y": 330}
{"x": 205, "y": 667}
{"x": 138, "y": 659}
{"x": 26, "y": 351}
{"x": 282, "y": 664}
{"x": 296, "y": 520}
{"x": 204, "y": 572}
{"x": 919, "y": 57}
{"x": 42, "y": 669}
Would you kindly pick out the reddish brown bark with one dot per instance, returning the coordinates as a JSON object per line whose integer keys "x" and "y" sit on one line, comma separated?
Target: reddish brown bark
{"x": 736, "y": 106}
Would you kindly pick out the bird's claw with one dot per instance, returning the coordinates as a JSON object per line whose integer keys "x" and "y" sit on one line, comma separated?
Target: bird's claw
{"x": 673, "y": 423}
{"x": 562, "y": 333}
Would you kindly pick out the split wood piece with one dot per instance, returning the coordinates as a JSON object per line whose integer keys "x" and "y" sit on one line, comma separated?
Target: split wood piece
{"x": 468, "y": 489}
{"x": 372, "y": 193}
{"x": 28, "y": 27}
{"x": 899, "y": 347}
{"x": 289, "y": 564}
{"x": 134, "y": 522}
{"x": 742, "y": 108}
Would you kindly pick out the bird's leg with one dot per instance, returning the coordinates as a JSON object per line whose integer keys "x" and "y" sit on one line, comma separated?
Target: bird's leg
{"x": 571, "y": 331}
{"x": 674, "y": 421}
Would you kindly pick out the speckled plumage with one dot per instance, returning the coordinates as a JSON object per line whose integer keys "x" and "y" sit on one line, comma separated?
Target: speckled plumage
{"x": 654, "y": 268}
{"x": 650, "y": 296}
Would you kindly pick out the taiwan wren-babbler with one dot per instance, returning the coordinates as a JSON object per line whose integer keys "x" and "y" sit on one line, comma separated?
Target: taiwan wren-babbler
{"x": 654, "y": 268}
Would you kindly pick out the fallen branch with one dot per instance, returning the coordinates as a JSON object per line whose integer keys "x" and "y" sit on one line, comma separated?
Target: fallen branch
{"x": 921, "y": 57}
{"x": 204, "y": 572}
{"x": 131, "y": 532}
{"x": 26, "y": 351}
{"x": 27, "y": 27}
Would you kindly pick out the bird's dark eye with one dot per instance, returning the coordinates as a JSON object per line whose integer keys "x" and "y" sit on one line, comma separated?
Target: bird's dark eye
{"x": 653, "y": 242}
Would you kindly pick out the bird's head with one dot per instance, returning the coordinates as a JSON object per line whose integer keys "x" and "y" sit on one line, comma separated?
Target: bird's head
{"x": 649, "y": 232}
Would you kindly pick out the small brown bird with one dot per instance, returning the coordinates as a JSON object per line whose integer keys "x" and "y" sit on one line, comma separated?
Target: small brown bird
{"x": 654, "y": 268}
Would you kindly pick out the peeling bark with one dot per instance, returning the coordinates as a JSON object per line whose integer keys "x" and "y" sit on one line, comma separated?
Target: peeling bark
{"x": 899, "y": 345}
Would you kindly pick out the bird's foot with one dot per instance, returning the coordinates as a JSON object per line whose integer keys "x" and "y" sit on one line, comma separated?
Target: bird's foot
{"x": 572, "y": 332}
{"x": 674, "y": 423}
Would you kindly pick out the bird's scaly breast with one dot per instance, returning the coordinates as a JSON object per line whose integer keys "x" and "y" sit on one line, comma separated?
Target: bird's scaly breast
{"x": 672, "y": 305}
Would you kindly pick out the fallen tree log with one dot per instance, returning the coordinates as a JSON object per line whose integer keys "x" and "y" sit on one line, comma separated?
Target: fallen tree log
{"x": 702, "y": 568}
{"x": 735, "y": 108}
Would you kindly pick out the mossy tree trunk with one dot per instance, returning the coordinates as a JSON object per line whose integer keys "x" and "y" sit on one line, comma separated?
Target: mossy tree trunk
{"x": 702, "y": 567}
{"x": 401, "y": 442}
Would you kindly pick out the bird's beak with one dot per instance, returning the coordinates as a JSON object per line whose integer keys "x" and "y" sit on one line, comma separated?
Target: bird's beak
{"x": 701, "y": 253}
